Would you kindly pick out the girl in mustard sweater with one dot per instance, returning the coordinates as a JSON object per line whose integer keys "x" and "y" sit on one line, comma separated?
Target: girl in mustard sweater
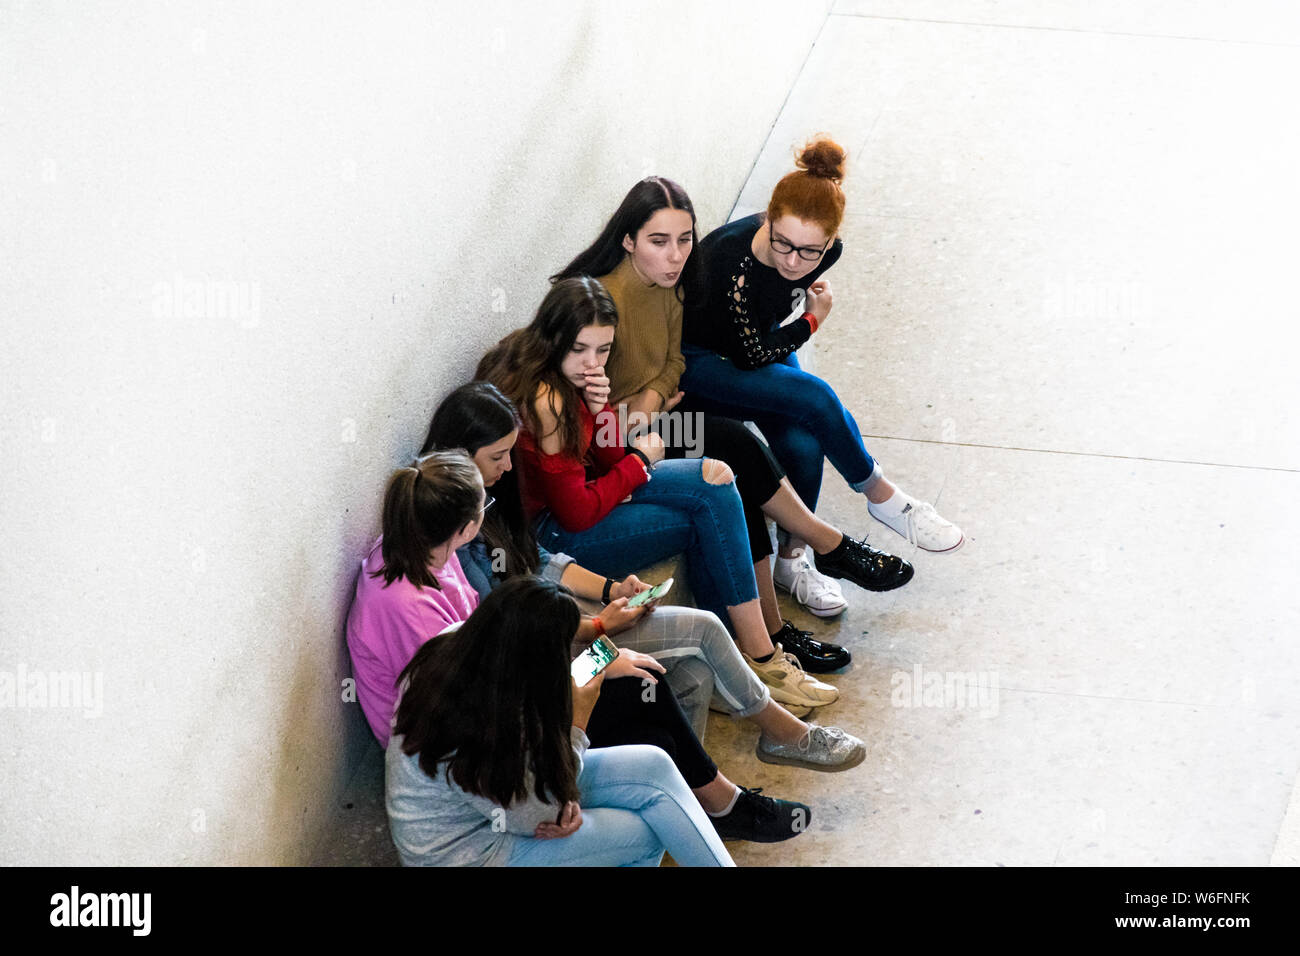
{"x": 643, "y": 258}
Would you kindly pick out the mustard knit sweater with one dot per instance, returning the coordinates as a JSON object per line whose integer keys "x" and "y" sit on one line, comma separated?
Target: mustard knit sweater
{"x": 647, "y": 349}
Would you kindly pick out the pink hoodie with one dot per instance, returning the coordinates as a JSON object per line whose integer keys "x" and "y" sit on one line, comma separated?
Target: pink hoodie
{"x": 388, "y": 624}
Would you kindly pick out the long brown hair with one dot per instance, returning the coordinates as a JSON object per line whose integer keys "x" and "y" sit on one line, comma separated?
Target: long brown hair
{"x": 425, "y": 504}
{"x": 530, "y": 358}
{"x": 492, "y": 701}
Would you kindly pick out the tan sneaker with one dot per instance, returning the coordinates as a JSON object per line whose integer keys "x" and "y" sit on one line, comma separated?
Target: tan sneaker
{"x": 788, "y": 683}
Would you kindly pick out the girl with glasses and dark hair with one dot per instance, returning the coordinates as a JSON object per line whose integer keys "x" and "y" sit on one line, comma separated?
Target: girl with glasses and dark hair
{"x": 763, "y": 296}
{"x": 489, "y": 766}
{"x": 588, "y": 496}
{"x": 643, "y": 258}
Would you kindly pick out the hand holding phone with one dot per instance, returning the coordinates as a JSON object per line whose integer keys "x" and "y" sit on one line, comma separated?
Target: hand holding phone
{"x": 618, "y": 615}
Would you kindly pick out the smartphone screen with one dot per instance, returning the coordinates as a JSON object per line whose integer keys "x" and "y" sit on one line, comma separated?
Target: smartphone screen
{"x": 593, "y": 660}
{"x": 653, "y": 594}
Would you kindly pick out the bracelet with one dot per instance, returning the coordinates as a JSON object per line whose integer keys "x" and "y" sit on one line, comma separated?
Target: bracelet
{"x": 810, "y": 319}
{"x": 604, "y": 595}
{"x": 599, "y": 625}
{"x": 645, "y": 460}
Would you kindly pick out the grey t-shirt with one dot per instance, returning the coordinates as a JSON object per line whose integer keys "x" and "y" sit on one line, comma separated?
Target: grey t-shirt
{"x": 436, "y": 823}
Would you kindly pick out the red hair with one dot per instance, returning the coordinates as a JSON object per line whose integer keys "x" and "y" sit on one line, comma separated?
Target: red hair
{"x": 812, "y": 192}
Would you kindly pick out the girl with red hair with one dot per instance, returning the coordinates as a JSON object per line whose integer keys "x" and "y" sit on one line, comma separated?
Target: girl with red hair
{"x": 763, "y": 296}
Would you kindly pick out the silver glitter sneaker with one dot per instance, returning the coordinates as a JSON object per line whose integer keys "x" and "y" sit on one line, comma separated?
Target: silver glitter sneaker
{"x": 822, "y": 748}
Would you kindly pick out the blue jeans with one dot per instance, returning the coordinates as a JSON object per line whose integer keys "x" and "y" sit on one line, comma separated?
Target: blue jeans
{"x": 801, "y": 417}
{"x": 635, "y": 805}
{"x": 675, "y": 511}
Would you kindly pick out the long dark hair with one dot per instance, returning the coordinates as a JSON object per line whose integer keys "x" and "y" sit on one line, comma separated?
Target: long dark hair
{"x": 425, "y": 504}
{"x": 472, "y": 417}
{"x": 526, "y": 363}
{"x": 492, "y": 700}
{"x": 643, "y": 200}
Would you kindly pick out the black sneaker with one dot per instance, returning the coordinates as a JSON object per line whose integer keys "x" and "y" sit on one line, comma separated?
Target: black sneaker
{"x": 760, "y": 819}
{"x": 816, "y": 657}
{"x": 864, "y": 566}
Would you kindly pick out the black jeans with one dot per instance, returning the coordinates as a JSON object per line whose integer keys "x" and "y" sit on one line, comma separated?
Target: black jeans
{"x": 632, "y": 712}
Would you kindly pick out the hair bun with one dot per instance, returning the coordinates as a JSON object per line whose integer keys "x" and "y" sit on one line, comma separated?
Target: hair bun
{"x": 822, "y": 157}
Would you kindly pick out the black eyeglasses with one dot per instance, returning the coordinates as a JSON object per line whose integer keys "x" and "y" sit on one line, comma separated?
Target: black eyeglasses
{"x": 785, "y": 247}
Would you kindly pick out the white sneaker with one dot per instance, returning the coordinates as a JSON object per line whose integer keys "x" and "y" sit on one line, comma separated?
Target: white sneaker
{"x": 789, "y": 684}
{"x": 922, "y": 526}
{"x": 817, "y": 593}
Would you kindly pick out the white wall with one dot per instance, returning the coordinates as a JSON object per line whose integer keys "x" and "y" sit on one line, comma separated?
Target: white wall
{"x": 186, "y": 491}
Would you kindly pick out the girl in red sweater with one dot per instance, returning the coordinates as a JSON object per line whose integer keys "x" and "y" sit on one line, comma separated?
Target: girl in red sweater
{"x": 616, "y": 510}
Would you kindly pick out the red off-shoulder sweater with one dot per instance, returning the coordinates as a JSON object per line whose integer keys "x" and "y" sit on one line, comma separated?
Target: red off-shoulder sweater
{"x": 579, "y": 491}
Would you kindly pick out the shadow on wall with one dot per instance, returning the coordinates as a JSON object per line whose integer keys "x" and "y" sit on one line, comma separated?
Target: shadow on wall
{"x": 490, "y": 304}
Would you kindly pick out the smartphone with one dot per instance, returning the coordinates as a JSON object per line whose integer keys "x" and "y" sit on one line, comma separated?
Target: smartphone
{"x": 593, "y": 660}
{"x": 653, "y": 594}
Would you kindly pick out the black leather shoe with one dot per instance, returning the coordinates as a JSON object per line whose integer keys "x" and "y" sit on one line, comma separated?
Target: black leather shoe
{"x": 865, "y": 566}
{"x": 816, "y": 657}
{"x": 760, "y": 819}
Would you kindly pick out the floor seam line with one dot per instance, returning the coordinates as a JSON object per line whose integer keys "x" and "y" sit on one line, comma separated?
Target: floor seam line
{"x": 1035, "y": 26}
{"x": 1085, "y": 454}
{"x": 777, "y": 118}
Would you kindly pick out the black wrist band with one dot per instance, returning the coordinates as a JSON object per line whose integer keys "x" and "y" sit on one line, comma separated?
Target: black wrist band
{"x": 604, "y": 595}
{"x": 642, "y": 455}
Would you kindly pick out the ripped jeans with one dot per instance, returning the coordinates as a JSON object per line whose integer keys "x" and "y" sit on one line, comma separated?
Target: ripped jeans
{"x": 676, "y": 511}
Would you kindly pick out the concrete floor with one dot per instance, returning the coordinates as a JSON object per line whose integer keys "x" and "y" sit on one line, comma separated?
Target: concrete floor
{"x": 1064, "y": 316}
